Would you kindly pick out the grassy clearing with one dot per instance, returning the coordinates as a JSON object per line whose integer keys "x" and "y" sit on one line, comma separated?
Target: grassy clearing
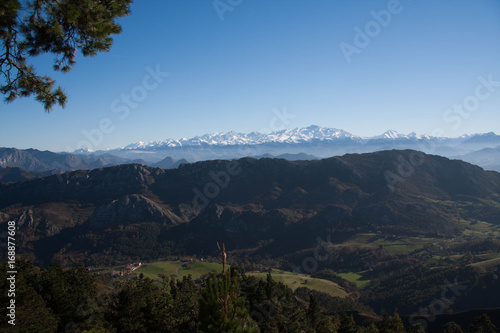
{"x": 480, "y": 229}
{"x": 294, "y": 281}
{"x": 391, "y": 246}
{"x": 178, "y": 269}
{"x": 493, "y": 200}
{"x": 487, "y": 256}
{"x": 488, "y": 263}
{"x": 356, "y": 278}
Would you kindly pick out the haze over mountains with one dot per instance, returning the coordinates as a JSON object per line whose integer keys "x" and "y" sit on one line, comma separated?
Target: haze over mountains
{"x": 314, "y": 140}
{"x": 310, "y": 143}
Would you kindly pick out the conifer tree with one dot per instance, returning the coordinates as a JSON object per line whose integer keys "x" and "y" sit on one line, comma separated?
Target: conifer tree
{"x": 273, "y": 306}
{"x": 372, "y": 328}
{"x": 185, "y": 296}
{"x": 313, "y": 312}
{"x": 452, "y": 327}
{"x": 32, "y": 314}
{"x": 417, "y": 328}
{"x": 482, "y": 324}
{"x": 347, "y": 324}
{"x": 60, "y": 27}
{"x": 222, "y": 308}
{"x": 391, "y": 324}
{"x": 71, "y": 294}
{"x": 141, "y": 306}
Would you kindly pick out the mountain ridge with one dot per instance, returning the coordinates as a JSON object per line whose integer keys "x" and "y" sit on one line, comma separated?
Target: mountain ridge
{"x": 248, "y": 201}
{"x": 290, "y": 136}
{"x": 313, "y": 140}
{"x": 300, "y": 143}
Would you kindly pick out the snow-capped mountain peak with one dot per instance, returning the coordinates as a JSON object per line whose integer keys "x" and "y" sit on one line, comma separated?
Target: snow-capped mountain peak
{"x": 296, "y": 135}
{"x": 390, "y": 134}
{"x": 313, "y": 140}
{"x": 300, "y": 135}
{"x": 84, "y": 151}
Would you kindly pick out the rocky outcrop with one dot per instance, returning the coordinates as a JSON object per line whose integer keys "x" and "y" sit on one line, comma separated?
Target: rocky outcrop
{"x": 131, "y": 209}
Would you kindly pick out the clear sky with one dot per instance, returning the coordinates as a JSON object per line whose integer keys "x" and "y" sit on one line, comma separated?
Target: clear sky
{"x": 424, "y": 69}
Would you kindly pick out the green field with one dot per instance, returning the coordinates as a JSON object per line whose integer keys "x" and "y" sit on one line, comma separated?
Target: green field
{"x": 488, "y": 263}
{"x": 487, "y": 256}
{"x": 179, "y": 269}
{"x": 356, "y": 278}
{"x": 390, "y": 246}
{"x": 480, "y": 229}
{"x": 294, "y": 281}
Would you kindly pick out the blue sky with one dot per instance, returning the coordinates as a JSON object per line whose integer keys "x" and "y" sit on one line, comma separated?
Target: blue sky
{"x": 422, "y": 70}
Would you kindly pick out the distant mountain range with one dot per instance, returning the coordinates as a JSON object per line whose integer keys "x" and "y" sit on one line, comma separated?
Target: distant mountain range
{"x": 488, "y": 158}
{"x": 307, "y": 143}
{"x": 306, "y": 135}
{"x": 313, "y": 140}
{"x": 289, "y": 136}
{"x": 47, "y": 162}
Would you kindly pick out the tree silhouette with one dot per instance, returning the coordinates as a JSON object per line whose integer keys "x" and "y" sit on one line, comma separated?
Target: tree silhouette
{"x": 60, "y": 27}
{"x": 222, "y": 307}
{"x": 482, "y": 324}
{"x": 452, "y": 327}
